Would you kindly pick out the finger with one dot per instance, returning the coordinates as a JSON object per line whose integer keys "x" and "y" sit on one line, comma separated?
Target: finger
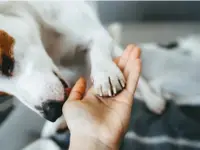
{"x": 132, "y": 80}
{"x": 124, "y": 58}
{"x": 135, "y": 54}
{"x": 93, "y": 92}
{"x": 133, "y": 76}
{"x": 116, "y": 60}
{"x": 78, "y": 90}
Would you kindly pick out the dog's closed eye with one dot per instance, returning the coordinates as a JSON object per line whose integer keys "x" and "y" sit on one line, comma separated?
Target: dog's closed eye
{"x": 6, "y": 53}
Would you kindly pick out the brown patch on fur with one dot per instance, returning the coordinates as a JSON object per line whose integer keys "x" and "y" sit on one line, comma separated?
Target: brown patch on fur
{"x": 3, "y": 94}
{"x": 6, "y": 45}
{"x": 6, "y": 49}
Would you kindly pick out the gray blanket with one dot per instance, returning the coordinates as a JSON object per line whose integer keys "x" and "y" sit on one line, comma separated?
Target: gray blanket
{"x": 177, "y": 129}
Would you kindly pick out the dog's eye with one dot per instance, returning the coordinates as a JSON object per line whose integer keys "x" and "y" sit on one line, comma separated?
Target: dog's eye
{"x": 7, "y": 65}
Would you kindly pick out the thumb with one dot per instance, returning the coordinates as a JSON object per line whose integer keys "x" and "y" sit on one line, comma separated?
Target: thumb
{"x": 78, "y": 90}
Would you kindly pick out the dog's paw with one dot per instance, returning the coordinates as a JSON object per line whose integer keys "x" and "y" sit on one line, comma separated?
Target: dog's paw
{"x": 108, "y": 80}
{"x": 156, "y": 104}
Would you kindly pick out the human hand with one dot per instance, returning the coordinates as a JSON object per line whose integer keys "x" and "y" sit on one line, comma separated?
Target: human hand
{"x": 103, "y": 120}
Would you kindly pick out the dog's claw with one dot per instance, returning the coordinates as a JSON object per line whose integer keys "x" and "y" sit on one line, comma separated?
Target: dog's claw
{"x": 109, "y": 93}
{"x": 111, "y": 80}
{"x": 121, "y": 82}
{"x": 100, "y": 92}
{"x": 114, "y": 90}
{"x": 111, "y": 87}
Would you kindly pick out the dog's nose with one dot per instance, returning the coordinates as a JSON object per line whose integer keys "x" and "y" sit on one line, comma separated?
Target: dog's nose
{"x": 52, "y": 110}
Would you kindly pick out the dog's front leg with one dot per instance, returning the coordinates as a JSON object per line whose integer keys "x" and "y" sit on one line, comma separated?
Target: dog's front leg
{"x": 79, "y": 26}
{"x": 106, "y": 76}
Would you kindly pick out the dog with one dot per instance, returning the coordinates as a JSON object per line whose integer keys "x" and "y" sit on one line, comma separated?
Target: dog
{"x": 46, "y": 46}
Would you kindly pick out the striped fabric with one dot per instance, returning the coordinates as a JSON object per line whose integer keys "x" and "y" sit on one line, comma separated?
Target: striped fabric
{"x": 176, "y": 129}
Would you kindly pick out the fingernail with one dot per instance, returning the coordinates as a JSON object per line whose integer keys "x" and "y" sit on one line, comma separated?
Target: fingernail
{"x": 81, "y": 79}
{"x": 131, "y": 46}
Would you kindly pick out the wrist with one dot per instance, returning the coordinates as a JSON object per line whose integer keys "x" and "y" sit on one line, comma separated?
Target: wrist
{"x": 89, "y": 143}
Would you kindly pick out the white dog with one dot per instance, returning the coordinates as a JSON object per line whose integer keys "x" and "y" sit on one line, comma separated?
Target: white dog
{"x": 46, "y": 46}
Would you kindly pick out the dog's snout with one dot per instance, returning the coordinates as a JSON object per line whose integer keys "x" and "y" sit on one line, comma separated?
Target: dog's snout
{"x": 52, "y": 110}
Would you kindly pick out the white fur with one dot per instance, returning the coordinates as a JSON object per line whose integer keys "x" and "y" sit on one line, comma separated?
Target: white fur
{"x": 71, "y": 34}
{"x": 42, "y": 144}
{"x": 50, "y": 128}
{"x": 172, "y": 74}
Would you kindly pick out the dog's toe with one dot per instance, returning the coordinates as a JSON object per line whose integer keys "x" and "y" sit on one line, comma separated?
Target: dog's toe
{"x": 112, "y": 86}
{"x": 156, "y": 104}
{"x": 109, "y": 83}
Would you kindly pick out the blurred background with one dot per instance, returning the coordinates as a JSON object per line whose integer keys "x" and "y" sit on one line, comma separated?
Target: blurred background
{"x": 142, "y": 21}
{"x": 139, "y": 11}
{"x": 145, "y": 21}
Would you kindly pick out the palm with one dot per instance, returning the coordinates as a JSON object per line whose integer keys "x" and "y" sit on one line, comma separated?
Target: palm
{"x": 106, "y": 118}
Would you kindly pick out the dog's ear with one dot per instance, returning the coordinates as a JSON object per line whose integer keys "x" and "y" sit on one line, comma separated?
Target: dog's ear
{"x": 6, "y": 53}
{"x": 4, "y": 94}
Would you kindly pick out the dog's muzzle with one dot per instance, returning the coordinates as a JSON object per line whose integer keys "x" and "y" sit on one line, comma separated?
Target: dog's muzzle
{"x": 52, "y": 109}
